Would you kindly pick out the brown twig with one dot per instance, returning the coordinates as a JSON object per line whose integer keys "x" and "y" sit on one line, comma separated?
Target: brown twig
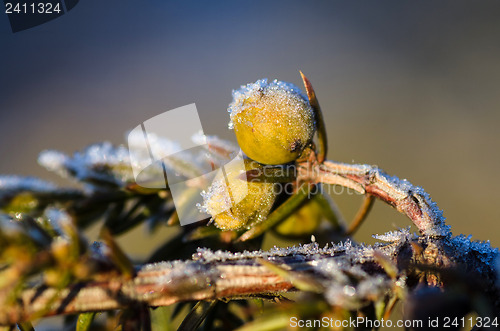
{"x": 408, "y": 199}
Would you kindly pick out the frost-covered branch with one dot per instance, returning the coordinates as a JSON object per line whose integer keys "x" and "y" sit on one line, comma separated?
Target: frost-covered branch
{"x": 347, "y": 275}
{"x": 48, "y": 268}
{"x": 408, "y": 199}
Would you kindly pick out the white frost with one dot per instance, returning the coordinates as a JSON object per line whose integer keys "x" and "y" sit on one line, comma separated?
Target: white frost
{"x": 276, "y": 92}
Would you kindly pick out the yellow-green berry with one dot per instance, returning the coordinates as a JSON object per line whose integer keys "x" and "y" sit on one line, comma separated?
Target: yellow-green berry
{"x": 235, "y": 203}
{"x": 303, "y": 222}
{"x": 273, "y": 122}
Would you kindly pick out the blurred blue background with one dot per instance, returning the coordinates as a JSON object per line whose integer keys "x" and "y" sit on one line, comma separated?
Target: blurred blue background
{"x": 410, "y": 86}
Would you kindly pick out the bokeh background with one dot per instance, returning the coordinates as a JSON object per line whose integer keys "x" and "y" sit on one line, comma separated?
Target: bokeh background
{"x": 412, "y": 87}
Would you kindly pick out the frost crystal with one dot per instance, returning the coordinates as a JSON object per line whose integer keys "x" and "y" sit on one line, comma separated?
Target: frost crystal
{"x": 431, "y": 221}
{"x": 173, "y": 277}
{"x": 14, "y": 184}
{"x": 54, "y": 161}
{"x": 28, "y": 188}
{"x": 479, "y": 252}
{"x": 216, "y": 199}
{"x": 339, "y": 268}
{"x": 275, "y": 93}
{"x": 395, "y": 236}
{"x": 99, "y": 162}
